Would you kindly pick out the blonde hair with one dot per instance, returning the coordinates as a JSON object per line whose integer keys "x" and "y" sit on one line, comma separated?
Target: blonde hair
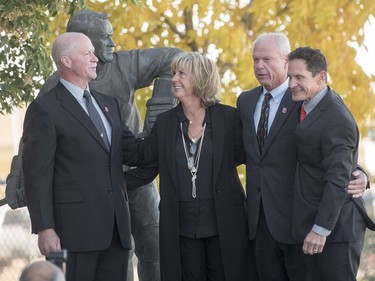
{"x": 205, "y": 76}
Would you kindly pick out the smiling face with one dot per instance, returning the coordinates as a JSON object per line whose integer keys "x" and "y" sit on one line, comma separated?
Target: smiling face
{"x": 76, "y": 58}
{"x": 182, "y": 83}
{"x": 303, "y": 84}
{"x": 84, "y": 60}
{"x": 270, "y": 67}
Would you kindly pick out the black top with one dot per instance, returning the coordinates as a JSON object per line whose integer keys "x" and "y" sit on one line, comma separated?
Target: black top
{"x": 197, "y": 215}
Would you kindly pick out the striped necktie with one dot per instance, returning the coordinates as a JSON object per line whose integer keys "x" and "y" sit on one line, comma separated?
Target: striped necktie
{"x": 263, "y": 121}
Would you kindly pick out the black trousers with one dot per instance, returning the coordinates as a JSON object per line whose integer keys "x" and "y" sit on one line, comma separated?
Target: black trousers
{"x": 201, "y": 259}
{"x": 107, "y": 265}
{"x": 338, "y": 261}
{"x": 276, "y": 261}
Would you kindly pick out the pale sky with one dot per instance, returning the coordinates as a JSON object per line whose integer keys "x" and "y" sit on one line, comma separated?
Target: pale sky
{"x": 366, "y": 58}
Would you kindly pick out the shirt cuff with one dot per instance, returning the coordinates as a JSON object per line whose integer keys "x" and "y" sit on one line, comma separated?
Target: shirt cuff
{"x": 321, "y": 230}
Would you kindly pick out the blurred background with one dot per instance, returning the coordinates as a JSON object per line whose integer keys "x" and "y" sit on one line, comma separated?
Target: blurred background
{"x": 343, "y": 29}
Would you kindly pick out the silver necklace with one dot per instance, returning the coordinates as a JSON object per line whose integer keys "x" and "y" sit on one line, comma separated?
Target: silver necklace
{"x": 193, "y": 162}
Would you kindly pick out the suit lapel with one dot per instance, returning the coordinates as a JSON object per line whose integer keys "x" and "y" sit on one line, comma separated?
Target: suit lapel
{"x": 70, "y": 104}
{"x": 218, "y": 138}
{"x": 108, "y": 110}
{"x": 170, "y": 129}
{"x": 286, "y": 107}
{"x": 252, "y": 101}
{"x": 104, "y": 106}
{"x": 315, "y": 114}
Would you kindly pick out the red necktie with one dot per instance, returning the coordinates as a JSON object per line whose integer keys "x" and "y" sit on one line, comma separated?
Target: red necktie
{"x": 302, "y": 114}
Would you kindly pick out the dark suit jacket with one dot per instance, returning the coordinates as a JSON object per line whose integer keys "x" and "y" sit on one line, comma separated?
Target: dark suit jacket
{"x": 228, "y": 193}
{"x": 73, "y": 184}
{"x": 327, "y": 142}
{"x": 270, "y": 176}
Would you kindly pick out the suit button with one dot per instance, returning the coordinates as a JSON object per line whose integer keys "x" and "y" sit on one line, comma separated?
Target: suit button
{"x": 110, "y": 191}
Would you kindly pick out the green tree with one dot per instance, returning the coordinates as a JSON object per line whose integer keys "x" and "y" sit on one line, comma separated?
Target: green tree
{"x": 24, "y": 46}
{"x": 24, "y": 56}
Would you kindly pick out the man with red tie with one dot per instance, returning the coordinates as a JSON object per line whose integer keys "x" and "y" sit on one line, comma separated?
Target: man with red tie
{"x": 330, "y": 224}
{"x": 74, "y": 182}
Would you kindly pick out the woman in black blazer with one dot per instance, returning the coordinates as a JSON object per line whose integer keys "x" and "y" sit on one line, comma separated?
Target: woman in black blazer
{"x": 196, "y": 148}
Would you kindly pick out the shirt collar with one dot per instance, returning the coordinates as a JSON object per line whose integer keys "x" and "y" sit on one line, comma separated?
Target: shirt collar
{"x": 310, "y": 105}
{"x": 76, "y": 91}
{"x": 278, "y": 92}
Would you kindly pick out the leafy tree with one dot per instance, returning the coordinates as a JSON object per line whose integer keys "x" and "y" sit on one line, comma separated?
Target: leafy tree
{"x": 225, "y": 29}
{"x": 24, "y": 57}
{"x": 24, "y": 46}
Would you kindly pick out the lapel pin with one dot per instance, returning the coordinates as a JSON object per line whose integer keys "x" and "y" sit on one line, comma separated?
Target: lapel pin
{"x": 284, "y": 110}
{"x": 106, "y": 109}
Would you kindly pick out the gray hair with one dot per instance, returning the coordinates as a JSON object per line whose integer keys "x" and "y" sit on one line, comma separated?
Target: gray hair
{"x": 281, "y": 39}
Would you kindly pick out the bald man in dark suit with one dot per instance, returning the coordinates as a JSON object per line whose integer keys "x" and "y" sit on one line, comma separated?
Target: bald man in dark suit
{"x": 74, "y": 181}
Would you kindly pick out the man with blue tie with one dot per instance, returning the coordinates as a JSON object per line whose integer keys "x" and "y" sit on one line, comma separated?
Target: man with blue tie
{"x": 121, "y": 74}
{"x": 73, "y": 180}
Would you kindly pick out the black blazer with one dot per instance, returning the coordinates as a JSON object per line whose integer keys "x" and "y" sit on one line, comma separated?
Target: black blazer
{"x": 270, "y": 176}
{"x": 229, "y": 196}
{"x": 73, "y": 184}
{"x": 327, "y": 142}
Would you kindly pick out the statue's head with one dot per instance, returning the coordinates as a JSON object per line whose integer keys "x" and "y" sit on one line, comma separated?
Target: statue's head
{"x": 98, "y": 28}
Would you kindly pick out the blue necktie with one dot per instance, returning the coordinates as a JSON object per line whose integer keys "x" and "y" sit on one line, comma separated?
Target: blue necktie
{"x": 263, "y": 121}
{"x": 95, "y": 118}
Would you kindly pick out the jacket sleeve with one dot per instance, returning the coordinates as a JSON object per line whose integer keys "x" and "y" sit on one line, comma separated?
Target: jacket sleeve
{"x": 39, "y": 138}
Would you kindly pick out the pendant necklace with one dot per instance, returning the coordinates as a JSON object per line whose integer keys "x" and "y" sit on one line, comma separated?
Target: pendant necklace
{"x": 195, "y": 115}
{"x": 193, "y": 162}
{"x": 195, "y": 138}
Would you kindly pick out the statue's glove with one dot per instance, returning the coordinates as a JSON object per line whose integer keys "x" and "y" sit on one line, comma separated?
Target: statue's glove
{"x": 155, "y": 106}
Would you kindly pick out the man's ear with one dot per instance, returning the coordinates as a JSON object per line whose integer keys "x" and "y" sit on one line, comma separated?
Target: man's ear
{"x": 322, "y": 77}
{"x": 66, "y": 61}
{"x": 286, "y": 63}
